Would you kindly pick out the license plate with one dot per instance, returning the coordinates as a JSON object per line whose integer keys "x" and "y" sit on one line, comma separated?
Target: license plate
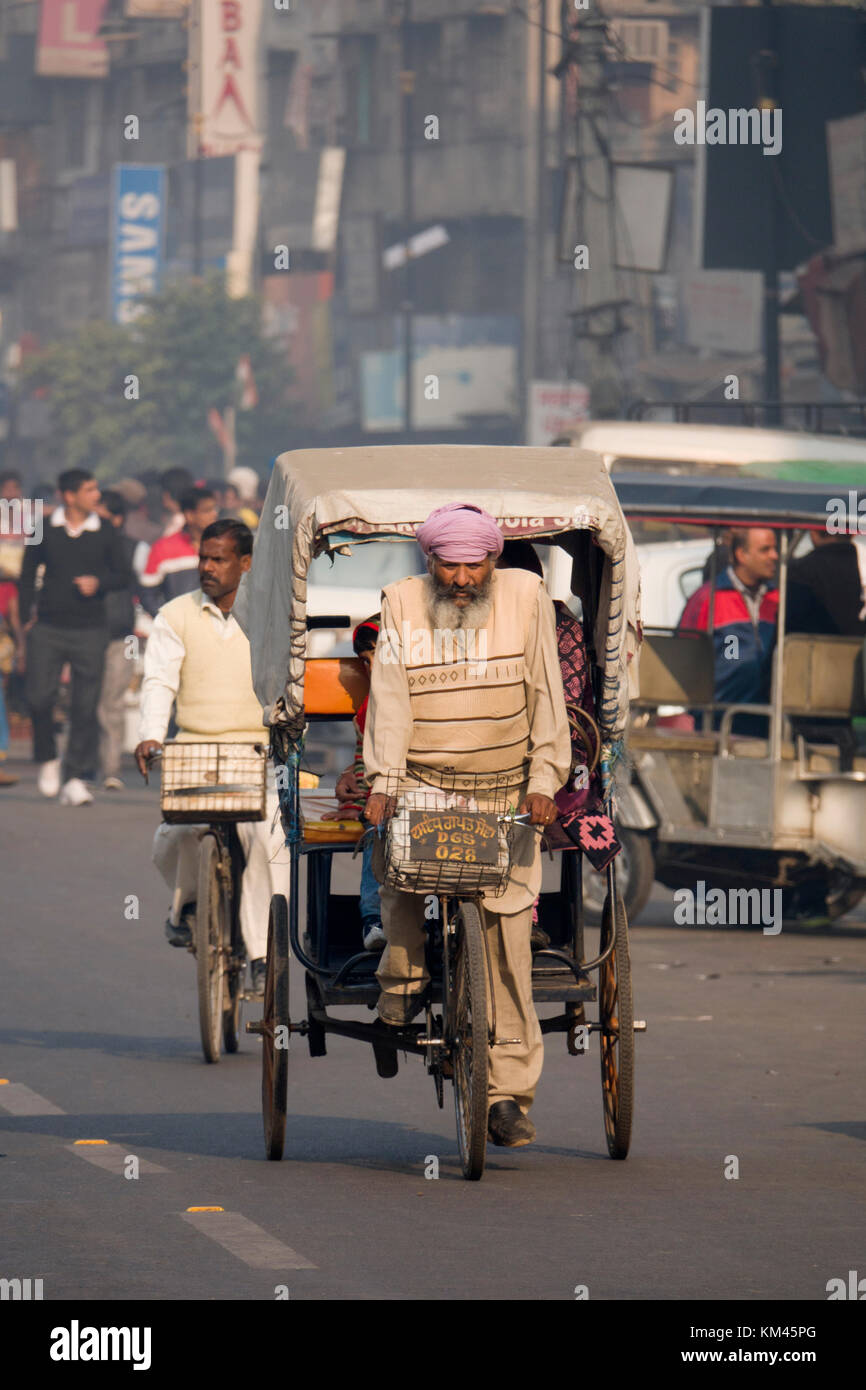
{"x": 456, "y": 837}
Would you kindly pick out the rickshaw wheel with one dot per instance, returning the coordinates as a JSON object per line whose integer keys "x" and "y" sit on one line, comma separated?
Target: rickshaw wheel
{"x": 275, "y": 1029}
{"x": 211, "y": 937}
{"x": 616, "y": 1017}
{"x": 469, "y": 1039}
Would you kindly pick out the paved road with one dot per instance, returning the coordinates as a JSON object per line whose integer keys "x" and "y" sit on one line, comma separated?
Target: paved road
{"x": 754, "y": 1050}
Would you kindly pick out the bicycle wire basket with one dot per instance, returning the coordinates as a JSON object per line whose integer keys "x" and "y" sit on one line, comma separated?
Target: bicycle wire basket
{"x": 213, "y": 782}
{"x": 452, "y": 838}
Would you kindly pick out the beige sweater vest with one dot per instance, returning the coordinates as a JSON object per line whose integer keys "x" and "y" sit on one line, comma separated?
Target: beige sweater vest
{"x": 215, "y": 698}
{"x": 469, "y": 709}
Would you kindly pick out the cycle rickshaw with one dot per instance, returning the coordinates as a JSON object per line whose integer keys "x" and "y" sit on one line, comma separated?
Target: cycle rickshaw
{"x": 328, "y": 501}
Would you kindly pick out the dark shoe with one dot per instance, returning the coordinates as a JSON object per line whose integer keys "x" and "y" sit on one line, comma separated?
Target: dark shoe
{"x": 508, "y": 1127}
{"x": 397, "y": 1009}
{"x": 258, "y": 972}
{"x": 538, "y": 940}
{"x": 178, "y": 936}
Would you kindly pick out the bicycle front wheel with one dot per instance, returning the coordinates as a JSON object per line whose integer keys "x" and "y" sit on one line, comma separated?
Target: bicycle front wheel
{"x": 468, "y": 1036}
{"x": 211, "y": 933}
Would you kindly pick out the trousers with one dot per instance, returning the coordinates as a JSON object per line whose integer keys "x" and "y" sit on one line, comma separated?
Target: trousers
{"x": 176, "y": 852}
{"x": 48, "y": 649}
{"x": 515, "y": 1068}
{"x": 112, "y": 708}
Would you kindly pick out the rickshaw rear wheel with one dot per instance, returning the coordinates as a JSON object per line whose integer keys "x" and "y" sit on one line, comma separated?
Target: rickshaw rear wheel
{"x": 275, "y": 1029}
{"x": 211, "y": 938}
{"x": 467, "y": 1032}
{"x": 616, "y": 1017}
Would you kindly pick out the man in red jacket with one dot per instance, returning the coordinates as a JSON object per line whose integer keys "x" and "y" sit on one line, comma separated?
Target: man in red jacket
{"x": 744, "y": 622}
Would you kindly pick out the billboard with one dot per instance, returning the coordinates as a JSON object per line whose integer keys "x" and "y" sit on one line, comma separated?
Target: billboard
{"x": 68, "y": 45}
{"x": 137, "y": 234}
{"x": 224, "y": 86}
{"x": 555, "y": 407}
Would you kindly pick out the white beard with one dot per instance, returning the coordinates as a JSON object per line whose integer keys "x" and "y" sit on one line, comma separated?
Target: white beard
{"x": 446, "y": 615}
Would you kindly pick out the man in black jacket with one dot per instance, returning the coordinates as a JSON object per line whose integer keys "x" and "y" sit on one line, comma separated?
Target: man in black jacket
{"x": 83, "y": 561}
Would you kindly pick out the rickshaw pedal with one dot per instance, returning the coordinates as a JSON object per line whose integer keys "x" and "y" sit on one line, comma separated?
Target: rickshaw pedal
{"x": 387, "y": 1064}
{"x": 254, "y": 1026}
{"x": 506, "y": 1042}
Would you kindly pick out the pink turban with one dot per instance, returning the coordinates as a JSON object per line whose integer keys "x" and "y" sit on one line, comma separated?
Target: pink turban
{"x": 460, "y": 532}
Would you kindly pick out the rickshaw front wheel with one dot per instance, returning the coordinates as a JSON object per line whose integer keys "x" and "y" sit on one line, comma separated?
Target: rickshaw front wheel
{"x": 275, "y": 1029}
{"x": 616, "y": 1018}
{"x": 467, "y": 1033}
{"x": 211, "y": 940}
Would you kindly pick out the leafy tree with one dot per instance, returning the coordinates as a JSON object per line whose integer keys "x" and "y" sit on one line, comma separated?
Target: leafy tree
{"x": 184, "y": 353}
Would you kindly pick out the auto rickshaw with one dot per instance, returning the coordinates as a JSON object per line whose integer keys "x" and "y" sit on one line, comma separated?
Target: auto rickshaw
{"x": 706, "y": 802}
{"x": 322, "y": 502}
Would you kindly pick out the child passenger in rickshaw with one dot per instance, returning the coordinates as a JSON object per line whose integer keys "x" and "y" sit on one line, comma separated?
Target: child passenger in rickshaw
{"x": 352, "y": 792}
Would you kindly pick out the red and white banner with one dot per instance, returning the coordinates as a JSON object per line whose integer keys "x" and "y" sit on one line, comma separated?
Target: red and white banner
{"x": 224, "y": 71}
{"x": 67, "y": 44}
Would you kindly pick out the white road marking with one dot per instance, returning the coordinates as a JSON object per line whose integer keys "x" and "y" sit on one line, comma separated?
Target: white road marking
{"x": 113, "y": 1157}
{"x": 16, "y": 1099}
{"x": 246, "y": 1240}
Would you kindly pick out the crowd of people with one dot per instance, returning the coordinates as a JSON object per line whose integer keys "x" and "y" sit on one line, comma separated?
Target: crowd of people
{"x": 78, "y": 601}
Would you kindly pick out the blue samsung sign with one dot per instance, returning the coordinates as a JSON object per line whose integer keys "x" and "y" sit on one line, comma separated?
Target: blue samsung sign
{"x": 137, "y": 235}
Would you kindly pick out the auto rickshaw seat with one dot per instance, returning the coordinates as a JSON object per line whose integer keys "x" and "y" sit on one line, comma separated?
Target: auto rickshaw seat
{"x": 676, "y": 668}
{"x": 823, "y": 676}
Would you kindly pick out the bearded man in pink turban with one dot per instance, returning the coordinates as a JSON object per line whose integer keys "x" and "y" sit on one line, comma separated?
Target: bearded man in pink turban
{"x": 490, "y": 705}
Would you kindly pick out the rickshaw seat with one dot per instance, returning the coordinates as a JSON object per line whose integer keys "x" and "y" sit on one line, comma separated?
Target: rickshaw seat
{"x": 334, "y": 687}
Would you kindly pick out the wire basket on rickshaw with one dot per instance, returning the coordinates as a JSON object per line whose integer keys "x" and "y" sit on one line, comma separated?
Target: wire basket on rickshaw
{"x": 451, "y": 838}
{"x": 213, "y": 782}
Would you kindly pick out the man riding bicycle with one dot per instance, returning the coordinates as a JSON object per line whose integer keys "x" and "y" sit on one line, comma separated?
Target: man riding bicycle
{"x": 198, "y": 659}
{"x": 503, "y": 716}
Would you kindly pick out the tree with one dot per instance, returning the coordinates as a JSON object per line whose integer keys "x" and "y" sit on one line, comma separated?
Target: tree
{"x": 127, "y": 398}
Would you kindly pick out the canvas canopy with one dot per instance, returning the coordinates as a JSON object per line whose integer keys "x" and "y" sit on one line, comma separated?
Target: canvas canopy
{"x": 322, "y": 500}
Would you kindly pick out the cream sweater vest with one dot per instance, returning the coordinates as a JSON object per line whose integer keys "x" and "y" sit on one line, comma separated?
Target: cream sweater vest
{"x": 469, "y": 715}
{"x": 215, "y": 698}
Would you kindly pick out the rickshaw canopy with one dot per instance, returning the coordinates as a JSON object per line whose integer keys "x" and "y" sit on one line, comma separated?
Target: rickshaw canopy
{"x": 326, "y": 500}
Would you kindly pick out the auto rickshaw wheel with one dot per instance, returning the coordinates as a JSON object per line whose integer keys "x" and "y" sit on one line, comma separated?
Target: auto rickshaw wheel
{"x": 616, "y": 1018}
{"x": 211, "y": 938}
{"x": 468, "y": 1037}
{"x": 275, "y": 1029}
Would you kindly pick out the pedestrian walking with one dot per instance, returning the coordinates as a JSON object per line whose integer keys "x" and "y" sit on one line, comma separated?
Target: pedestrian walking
{"x": 120, "y": 616}
{"x": 83, "y": 560}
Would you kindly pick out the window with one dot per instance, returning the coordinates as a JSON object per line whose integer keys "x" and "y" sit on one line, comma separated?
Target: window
{"x": 358, "y": 61}
{"x": 487, "y": 72}
{"x": 424, "y": 57}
